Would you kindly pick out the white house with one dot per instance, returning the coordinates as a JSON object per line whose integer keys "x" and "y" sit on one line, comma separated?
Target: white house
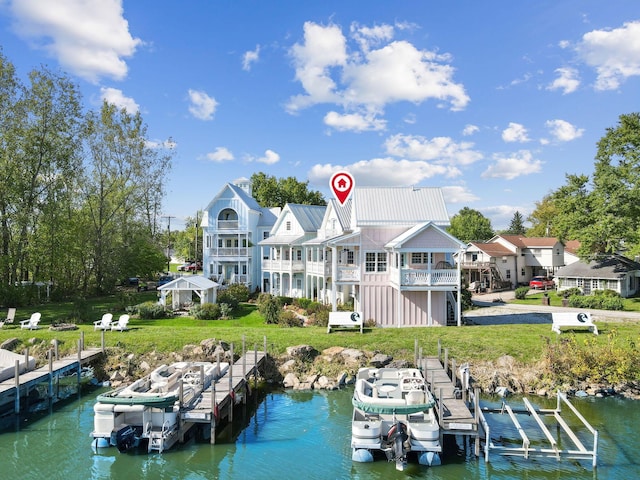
{"x": 233, "y": 224}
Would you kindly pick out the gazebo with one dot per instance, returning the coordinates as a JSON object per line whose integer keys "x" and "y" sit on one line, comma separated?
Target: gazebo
{"x": 183, "y": 288}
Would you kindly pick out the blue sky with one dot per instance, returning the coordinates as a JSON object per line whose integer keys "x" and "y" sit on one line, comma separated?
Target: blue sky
{"x": 492, "y": 101}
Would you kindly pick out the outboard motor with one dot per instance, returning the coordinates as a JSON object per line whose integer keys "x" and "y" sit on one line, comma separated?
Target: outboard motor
{"x": 125, "y": 438}
{"x": 397, "y": 436}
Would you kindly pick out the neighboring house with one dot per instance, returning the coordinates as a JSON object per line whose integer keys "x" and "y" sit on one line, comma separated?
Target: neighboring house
{"x": 506, "y": 261}
{"x": 386, "y": 251}
{"x": 233, "y": 224}
{"x": 571, "y": 251}
{"x": 609, "y": 272}
{"x": 284, "y": 264}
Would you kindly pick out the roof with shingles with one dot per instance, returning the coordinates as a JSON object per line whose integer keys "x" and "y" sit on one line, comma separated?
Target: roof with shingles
{"x": 493, "y": 249}
{"x": 381, "y": 206}
{"x": 530, "y": 242}
{"x": 609, "y": 266}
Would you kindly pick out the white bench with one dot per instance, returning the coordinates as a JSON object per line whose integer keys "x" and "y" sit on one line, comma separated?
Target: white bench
{"x": 345, "y": 319}
{"x": 573, "y": 320}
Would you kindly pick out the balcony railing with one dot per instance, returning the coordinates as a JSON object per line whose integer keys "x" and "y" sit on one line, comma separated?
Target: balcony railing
{"x": 283, "y": 265}
{"x": 319, "y": 268}
{"x": 228, "y": 224}
{"x": 429, "y": 278}
{"x": 229, "y": 252}
{"x": 348, "y": 273}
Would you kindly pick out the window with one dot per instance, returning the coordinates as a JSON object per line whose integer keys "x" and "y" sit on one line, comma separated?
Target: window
{"x": 244, "y": 269}
{"x": 421, "y": 258}
{"x": 298, "y": 255}
{"x": 287, "y": 226}
{"x": 522, "y": 272}
{"x": 228, "y": 243}
{"x": 220, "y": 244}
{"x": 508, "y": 274}
{"x": 350, "y": 257}
{"x": 235, "y": 269}
{"x": 219, "y": 269}
{"x": 235, "y": 242}
{"x": 265, "y": 235}
{"x": 376, "y": 262}
{"x": 208, "y": 241}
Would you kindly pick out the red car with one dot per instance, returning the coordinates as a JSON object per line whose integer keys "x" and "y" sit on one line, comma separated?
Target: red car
{"x": 542, "y": 283}
{"x": 194, "y": 267}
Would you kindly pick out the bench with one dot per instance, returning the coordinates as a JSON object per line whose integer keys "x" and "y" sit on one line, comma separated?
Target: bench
{"x": 345, "y": 319}
{"x": 572, "y": 320}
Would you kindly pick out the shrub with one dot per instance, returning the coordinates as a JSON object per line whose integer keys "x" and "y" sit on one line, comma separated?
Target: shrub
{"x": 597, "y": 302}
{"x": 228, "y": 297}
{"x": 150, "y": 310}
{"x": 81, "y": 311}
{"x": 208, "y": 311}
{"x": 320, "y": 318}
{"x": 302, "y": 302}
{"x": 239, "y": 291}
{"x": 570, "y": 292}
{"x": 521, "y": 292}
{"x": 269, "y": 307}
{"x": 285, "y": 300}
{"x": 288, "y": 318}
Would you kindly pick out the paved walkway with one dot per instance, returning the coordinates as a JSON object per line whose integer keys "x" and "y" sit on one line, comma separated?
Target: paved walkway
{"x": 493, "y": 312}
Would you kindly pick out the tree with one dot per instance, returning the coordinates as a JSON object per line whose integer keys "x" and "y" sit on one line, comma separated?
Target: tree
{"x": 543, "y": 218}
{"x": 470, "y": 225}
{"x": 516, "y": 227}
{"x": 271, "y": 192}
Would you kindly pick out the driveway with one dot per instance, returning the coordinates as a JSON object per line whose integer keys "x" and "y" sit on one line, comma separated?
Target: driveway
{"x": 492, "y": 312}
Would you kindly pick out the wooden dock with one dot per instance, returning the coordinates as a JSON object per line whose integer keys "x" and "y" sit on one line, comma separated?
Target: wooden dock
{"x": 217, "y": 402}
{"x": 13, "y": 389}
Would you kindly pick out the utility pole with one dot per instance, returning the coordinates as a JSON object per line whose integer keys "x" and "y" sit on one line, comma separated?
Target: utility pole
{"x": 168, "y": 217}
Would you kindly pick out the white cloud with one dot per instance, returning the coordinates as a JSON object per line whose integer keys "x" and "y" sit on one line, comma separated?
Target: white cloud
{"x": 202, "y": 105}
{"x": 441, "y": 150}
{"x": 513, "y": 166}
{"x": 615, "y": 54}
{"x": 220, "y": 154}
{"x": 458, "y": 194}
{"x": 117, "y": 98}
{"x": 90, "y": 38}
{"x": 270, "y": 157}
{"x": 369, "y": 78}
{"x": 568, "y": 80}
{"x": 383, "y": 171}
{"x": 250, "y": 57}
{"x": 355, "y": 122}
{"x": 563, "y": 131}
{"x": 470, "y": 130}
{"x": 515, "y": 132}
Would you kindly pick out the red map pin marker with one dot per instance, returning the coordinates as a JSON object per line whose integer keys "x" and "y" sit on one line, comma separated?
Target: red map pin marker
{"x": 342, "y": 185}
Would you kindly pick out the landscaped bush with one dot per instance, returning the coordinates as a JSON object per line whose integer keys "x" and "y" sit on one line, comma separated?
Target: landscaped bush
{"x": 269, "y": 307}
{"x": 521, "y": 292}
{"x": 320, "y": 317}
{"x": 302, "y": 302}
{"x": 208, "y": 311}
{"x": 287, "y": 318}
{"x": 228, "y": 297}
{"x": 570, "y": 292}
{"x": 149, "y": 310}
{"x": 239, "y": 291}
{"x": 285, "y": 300}
{"x": 598, "y": 301}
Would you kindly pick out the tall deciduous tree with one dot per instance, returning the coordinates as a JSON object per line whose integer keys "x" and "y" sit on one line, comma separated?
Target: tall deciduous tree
{"x": 543, "y": 218}
{"x": 271, "y": 192}
{"x": 470, "y": 225}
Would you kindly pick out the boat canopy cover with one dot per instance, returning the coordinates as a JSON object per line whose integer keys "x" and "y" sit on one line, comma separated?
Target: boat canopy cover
{"x": 399, "y": 409}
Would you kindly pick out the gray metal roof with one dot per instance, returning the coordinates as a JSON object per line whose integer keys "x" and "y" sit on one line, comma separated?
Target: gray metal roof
{"x": 610, "y": 266}
{"x": 309, "y": 216}
{"x": 189, "y": 282}
{"x": 399, "y": 206}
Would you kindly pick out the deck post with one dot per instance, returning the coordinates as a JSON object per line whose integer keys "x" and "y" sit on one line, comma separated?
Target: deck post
{"x": 214, "y": 410}
{"x": 445, "y": 364}
{"x": 476, "y": 415}
{"x": 255, "y": 366}
{"x": 244, "y": 358}
{"x": 79, "y": 372}
{"x": 415, "y": 351}
{"x": 102, "y": 343}
{"x": 439, "y": 350}
{"x": 26, "y": 358}
{"x": 454, "y": 376}
{"x": 81, "y": 340}
{"x": 50, "y": 373}
{"x": 55, "y": 348}
{"x": 264, "y": 341}
{"x": 231, "y": 392}
{"x": 16, "y": 376}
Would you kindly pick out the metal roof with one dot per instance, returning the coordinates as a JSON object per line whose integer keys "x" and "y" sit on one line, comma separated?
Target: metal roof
{"x": 189, "y": 282}
{"x": 309, "y": 216}
{"x": 399, "y": 206}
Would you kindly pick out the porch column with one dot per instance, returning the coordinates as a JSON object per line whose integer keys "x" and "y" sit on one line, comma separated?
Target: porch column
{"x": 429, "y": 300}
{"x": 459, "y": 287}
{"x": 334, "y": 276}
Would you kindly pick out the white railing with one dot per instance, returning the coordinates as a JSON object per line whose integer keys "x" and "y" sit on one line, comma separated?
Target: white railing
{"x": 227, "y": 224}
{"x": 429, "y": 277}
{"x": 283, "y": 265}
{"x": 348, "y": 274}
{"x": 229, "y": 252}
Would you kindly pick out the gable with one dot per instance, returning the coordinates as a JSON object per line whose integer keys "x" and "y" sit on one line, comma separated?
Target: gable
{"x": 425, "y": 236}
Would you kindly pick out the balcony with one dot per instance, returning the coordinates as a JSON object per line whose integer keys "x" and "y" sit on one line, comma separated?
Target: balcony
{"x": 349, "y": 273}
{"x": 429, "y": 278}
{"x": 282, "y": 265}
{"x": 229, "y": 252}
{"x": 319, "y": 268}
{"x": 228, "y": 224}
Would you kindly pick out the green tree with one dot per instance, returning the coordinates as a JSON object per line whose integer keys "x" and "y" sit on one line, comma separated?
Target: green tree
{"x": 470, "y": 225}
{"x": 543, "y": 218}
{"x": 271, "y": 192}
{"x": 516, "y": 227}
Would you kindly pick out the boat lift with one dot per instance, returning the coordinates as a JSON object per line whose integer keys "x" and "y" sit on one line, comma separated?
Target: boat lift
{"x": 553, "y": 450}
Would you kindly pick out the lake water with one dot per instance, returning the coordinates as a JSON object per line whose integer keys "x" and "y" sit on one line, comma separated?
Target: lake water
{"x": 293, "y": 435}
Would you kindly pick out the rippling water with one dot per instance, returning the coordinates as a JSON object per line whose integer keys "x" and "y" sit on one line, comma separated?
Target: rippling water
{"x": 294, "y": 435}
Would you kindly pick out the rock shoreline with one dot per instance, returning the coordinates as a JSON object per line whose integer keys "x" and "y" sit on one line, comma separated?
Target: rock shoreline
{"x": 303, "y": 367}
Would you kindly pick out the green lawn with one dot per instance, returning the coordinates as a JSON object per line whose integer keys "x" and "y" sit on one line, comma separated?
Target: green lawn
{"x": 526, "y": 343}
{"x": 630, "y": 304}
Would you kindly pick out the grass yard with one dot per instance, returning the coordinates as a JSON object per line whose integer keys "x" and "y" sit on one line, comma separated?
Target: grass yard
{"x": 526, "y": 343}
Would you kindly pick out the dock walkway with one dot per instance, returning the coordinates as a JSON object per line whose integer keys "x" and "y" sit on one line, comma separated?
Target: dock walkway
{"x": 26, "y": 381}
{"x": 217, "y": 402}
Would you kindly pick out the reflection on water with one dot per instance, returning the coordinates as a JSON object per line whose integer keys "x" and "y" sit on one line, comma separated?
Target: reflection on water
{"x": 294, "y": 435}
